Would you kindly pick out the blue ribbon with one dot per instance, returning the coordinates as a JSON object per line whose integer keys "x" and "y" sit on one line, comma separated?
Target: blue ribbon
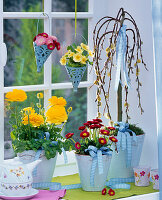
{"x": 96, "y": 155}
{"x": 119, "y": 183}
{"x": 125, "y": 140}
{"x": 121, "y": 46}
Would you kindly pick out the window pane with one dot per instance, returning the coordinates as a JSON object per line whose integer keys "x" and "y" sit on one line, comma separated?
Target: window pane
{"x": 69, "y": 6}
{"x": 21, "y": 64}
{"x": 30, "y": 102}
{"x": 22, "y": 6}
{"x": 64, "y": 31}
{"x": 78, "y": 101}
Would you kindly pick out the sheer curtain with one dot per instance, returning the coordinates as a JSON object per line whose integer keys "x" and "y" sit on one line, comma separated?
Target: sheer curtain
{"x": 157, "y": 41}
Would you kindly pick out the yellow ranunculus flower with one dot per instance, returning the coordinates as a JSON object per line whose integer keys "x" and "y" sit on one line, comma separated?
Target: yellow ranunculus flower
{"x": 63, "y": 60}
{"x": 28, "y": 110}
{"x": 77, "y": 57}
{"x": 16, "y": 95}
{"x": 56, "y": 115}
{"x": 34, "y": 119}
{"x": 90, "y": 53}
{"x": 71, "y": 54}
{"x": 67, "y": 53}
{"x": 57, "y": 101}
{"x": 79, "y": 49}
{"x": 40, "y": 95}
{"x": 84, "y": 46}
{"x": 84, "y": 59}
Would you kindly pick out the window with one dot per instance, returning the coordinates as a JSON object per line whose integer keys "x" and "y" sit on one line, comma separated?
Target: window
{"x": 20, "y": 26}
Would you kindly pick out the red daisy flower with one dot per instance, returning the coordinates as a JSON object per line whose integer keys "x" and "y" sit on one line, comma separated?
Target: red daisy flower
{"x": 44, "y": 35}
{"x": 113, "y": 139}
{"x": 81, "y": 128}
{"x": 104, "y": 191}
{"x": 111, "y": 192}
{"x": 90, "y": 122}
{"x": 93, "y": 126}
{"x": 34, "y": 38}
{"x": 142, "y": 173}
{"x": 95, "y": 122}
{"x": 99, "y": 120}
{"x": 86, "y": 124}
{"x": 111, "y": 128}
{"x": 58, "y": 46}
{"x": 84, "y": 134}
{"x": 77, "y": 145}
{"x": 104, "y": 132}
{"x": 102, "y": 141}
{"x": 69, "y": 135}
{"x": 40, "y": 34}
{"x": 51, "y": 46}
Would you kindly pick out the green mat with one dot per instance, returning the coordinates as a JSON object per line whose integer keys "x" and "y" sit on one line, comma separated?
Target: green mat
{"x": 79, "y": 194}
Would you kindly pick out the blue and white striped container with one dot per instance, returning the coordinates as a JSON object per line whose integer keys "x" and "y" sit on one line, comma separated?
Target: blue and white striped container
{"x": 118, "y": 166}
{"x": 84, "y": 165}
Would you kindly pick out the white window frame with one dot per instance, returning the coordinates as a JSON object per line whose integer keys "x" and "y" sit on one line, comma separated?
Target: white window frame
{"x": 48, "y": 86}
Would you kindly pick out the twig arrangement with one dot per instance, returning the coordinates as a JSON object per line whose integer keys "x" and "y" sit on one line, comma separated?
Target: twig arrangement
{"x": 105, "y": 37}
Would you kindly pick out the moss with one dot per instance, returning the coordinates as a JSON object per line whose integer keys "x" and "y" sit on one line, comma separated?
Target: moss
{"x": 137, "y": 130}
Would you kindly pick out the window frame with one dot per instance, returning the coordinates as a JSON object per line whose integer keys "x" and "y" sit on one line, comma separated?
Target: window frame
{"x": 47, "y": 86}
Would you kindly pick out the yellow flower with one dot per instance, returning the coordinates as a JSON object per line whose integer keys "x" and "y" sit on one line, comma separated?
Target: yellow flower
{"x": 56, "y": 115}
{"x": 85, "y": 47}
{"x": 71, "y": 54}
{"x": 90, "y": 53}
{"x": 67, "y": 53}
{"x": 40, "y": 95}
{"x": 16, "y": 95}
{"x": 84, "y": 59}
{"x": 34, "y": 119}
{"x": 79, "y": 49}
{"x": 69, "y": 110}
{"x": 77, "y": 57}
{"x": 63, "y": 60}
{"x": 57, "y": 101}
{"x": 28, "y": 110}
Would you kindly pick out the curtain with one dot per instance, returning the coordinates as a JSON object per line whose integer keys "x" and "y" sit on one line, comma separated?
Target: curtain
{"x": 157, "y": 43}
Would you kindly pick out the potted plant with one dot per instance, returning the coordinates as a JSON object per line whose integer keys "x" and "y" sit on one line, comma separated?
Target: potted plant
{"x": 93, "y": 154}
{"x": 76, "y": 61}
{"x": 35, "y": 134}
{"x": 129, "y": 148}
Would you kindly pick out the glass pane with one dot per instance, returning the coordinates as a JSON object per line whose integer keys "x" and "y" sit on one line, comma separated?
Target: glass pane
{"x": 78, "y": 101}
{"x": 22, "y": 6}
{"x": 30, "y": 102}
{"x": 69, "y": 6}
{"x": 64, "y": 31}
{"x": 21, "y": 64}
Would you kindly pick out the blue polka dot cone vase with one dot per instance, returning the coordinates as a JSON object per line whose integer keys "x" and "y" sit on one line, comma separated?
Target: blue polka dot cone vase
{"x": 75, "y": 75}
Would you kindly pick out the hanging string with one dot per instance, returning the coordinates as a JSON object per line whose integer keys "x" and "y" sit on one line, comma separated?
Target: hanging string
{"x": 75, "y": 16}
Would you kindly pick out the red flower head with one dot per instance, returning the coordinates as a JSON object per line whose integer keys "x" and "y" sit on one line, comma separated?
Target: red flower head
{"x": 102, "y": 141}
{"x": 113, "y": 139}
{"x": 99, "y": 120}
{"x": 156, "y": 177}
{"x": 44, "y": 35}
{"x": 34, "y": 38}
{"x": 40, "y": 34}
{"x": 111, "y": 192}
{"x": 95, "y": 122}
{"x": 77, "y": 145}
{"x": 51, "y": 46}
{"x": 86, "y": 124}
{"x": 104, "y": 191}
{"x": 104, "y": 132}
{"x": 84, "y": 134}
{"x": 81, "y": 128}
{"x": 111, "y": 128}
{"x": 142, "y": 173}
{"x": 58, "y": 46}
{"x": 93, "y": 126}
{"x": 69, "y": 135}
{"x": 90, "y": 122}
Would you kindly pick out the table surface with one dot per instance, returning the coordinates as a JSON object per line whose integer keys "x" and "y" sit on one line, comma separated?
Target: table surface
{"x": 79, "y": 194}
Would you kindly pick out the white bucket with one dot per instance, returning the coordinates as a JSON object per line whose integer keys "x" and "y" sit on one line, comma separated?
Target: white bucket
{"x": 118, "y": 168}
{"x": 84, "y": 165}
{"x": 45, "y": 169}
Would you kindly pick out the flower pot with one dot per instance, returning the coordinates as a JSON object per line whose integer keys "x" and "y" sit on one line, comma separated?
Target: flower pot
{"x": 118, "y": 167}
{"x": 45, "y": 169}
{"x": 84, "y": 165}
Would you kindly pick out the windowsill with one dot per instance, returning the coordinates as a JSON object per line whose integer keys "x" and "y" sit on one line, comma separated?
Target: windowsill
{"x": 151, "y": 196}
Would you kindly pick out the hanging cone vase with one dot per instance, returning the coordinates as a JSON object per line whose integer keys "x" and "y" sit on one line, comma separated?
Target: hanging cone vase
{"x": 41, "y": 55}
{"x": 75, "y": 75}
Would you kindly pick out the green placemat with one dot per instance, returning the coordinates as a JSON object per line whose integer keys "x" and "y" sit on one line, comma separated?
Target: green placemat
{"x": 79, "y": 194}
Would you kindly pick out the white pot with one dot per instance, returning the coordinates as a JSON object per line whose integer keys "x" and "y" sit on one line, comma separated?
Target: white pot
{"x": 118, "y": 168}
{"x": 45, "y": 169}
{"x": 84, "y": 166}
